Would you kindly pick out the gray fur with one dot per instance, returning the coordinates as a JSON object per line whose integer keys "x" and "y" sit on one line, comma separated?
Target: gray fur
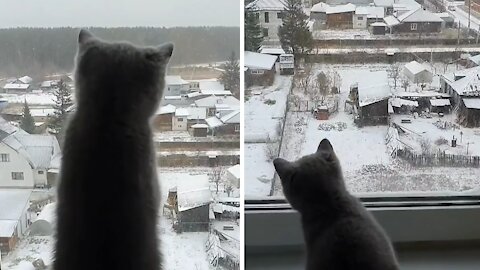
{"x": 339, "y": 232}
{"x": 108, "y": 194}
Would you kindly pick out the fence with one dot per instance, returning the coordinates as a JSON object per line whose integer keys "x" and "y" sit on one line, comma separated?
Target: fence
{"x": 438, "y": 159}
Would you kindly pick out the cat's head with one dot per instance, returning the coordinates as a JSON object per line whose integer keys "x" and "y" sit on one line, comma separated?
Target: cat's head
{"x": 132, "y": 77}
{"x": 306, "y": 180}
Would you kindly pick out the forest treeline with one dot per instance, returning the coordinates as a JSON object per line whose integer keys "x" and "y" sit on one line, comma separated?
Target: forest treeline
{"x": 42, "y": 51}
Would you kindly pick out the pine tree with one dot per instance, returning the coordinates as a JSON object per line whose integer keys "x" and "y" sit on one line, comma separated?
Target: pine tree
{"x": 27, "y": 122}
{"x": 253, "y": 32}
{"x": 230, "y": 78}
{"x": 63, "y": 101}
{"x": 294, "y": 33}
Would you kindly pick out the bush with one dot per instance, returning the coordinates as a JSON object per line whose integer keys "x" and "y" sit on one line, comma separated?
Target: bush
{"x": 270, "y": 102}
{"x": 441, "y": 141}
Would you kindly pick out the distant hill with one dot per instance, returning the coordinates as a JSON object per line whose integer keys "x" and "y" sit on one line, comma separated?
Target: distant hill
{"x": 41, "y": 51}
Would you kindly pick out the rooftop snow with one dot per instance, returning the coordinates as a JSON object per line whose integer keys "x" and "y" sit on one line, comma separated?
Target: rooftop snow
{"x": 277, "y": 5}
{"x": 419, "y": 15}
{"x": 270, "y": 50}
{"x": 373, "y": 87}
{"x": 399, "y": 102}
{"x": 209, "y": 85}
{"x": 25, "y": 79}
{"x": 440, "y": 102}
{"x": 37, "y": 149}
{"x": 320, "y": 7}
{"x": 48, "y": 213}
{"x": 213, "y": 122}
{"x": 255, "y": 60}
{"x": 13, "y": 202}
{"x": 421, "y": 94}
{"x": 414, "y": 67}
{"x": 470, "y": 83}
{"x": 181, "y": 112}
{"x": 231, "y": 118}
{"x": 341, "y": 9}
{"x": 174, "y": 80}
{"x": 391, "y": 21}
{"x": 32, "y": 99}
{"x": 194, "y": 198}
{"x": 200, "y": 126}
{"x": 472, "y": 103}
{"x": 378, "y": 24}
{"x": 475, "y": 59}
{"x": 16, "y": 86}
{"x": 7, "y": 228}
{"x": 235, "y": 171}
{"x": 210, "y": 101}
{"x": 195, "y": 113}
{"x": 169, "y": 108}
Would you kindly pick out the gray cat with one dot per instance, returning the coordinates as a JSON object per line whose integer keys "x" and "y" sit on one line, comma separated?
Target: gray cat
{"x": 108, "y": 194}
{"x": 339, "y": 232}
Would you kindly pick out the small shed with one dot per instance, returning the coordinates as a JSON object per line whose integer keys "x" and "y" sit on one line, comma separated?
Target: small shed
{"x": 378, "y": 28}
{"x": 440, "y": 105}
{"x": 417, "y": 73}
{"x": 199, "y": 130}
{"x": 194, "y": 210}
{"x": 46, "y": 220}
{"x": 400, "y": 105}
{"x": 469, "y": 114}
{"x": 321, "y": 113}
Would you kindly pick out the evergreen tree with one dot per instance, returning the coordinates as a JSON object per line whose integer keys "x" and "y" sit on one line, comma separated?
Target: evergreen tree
{"x": 27, "y": 122}
{"x": 230, "y": 78}
{"x": 253, "y": 33}
{"x": 294, "y": 33}
{"x": 63, "y": 101}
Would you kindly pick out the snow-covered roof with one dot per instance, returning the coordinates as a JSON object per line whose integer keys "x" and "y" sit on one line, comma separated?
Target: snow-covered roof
{"x": 220, "y": 208}
{"x": 213, "y": 122}
{"x": 383, "y": 3}
{"x": 399, "y": 102}
{"x": 48, "y": 83}
{"x": 39, "y": 112}
{"x": 361, "y": 11}
{"x": 231, "y": 118}
{"x": 48, "y": 213}
{"x": 210, "y": 101}
{"x": 341, "y": 8}
{"x": 440, "y": 102}
{"x": 421, "y": 94}
{"x": 259, "y": 5}
{"x": 32, "y": 99}
{"x": 373, "y": 87}
{"x": 375, "y": 12}
{"x": 419, "y": 15}
{"x": 16, "y": 86}
{"x": 200, "y": 126}
{"x": 472, "y": 103}
{"x": 13, "y": 202}
{"x": 175, "y": 80}
{"x": 475, "y": 59}
{"x": 235, "y": 171}
{"x": 415, "y": 67}
{"x": 391, "y": 21}
{"x": 182, "y": 112}
{"x": 25, "y": 79}
{"x": 254, "y": 60}
{"x": 7, "y": 227}
{"x": 169, "y": 108}
{"x": 198, "y": 113}
{"x": 216, "y": 92}
{"x": 443, "y": 14}
{"x": 380, "y": 24}
{"x": 193, "y": 199}
{"x": 172, "y": 97}
{"x": 470, "y": 83}
{"x": 320, "y": 7}
{"x": 271, "y": 50}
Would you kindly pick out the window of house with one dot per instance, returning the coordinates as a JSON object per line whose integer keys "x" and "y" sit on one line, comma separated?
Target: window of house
{"x": 180, "y": 119}
{"x": 40, "y": 172}
{"x": 413, "y": 26}
{"x": 237, "y": 128}
{"x": 4, "y": 157}
{"x": 360, "y": 18}
{"x": 279, "y": 15}
{"x": 257, "y": 71}
{"x": 17, "y": 175}
{"x": 267, "y": 18}
{"x": 265, "y": 32}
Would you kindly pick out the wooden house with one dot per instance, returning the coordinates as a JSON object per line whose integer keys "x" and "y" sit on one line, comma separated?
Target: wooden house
{"x": 416, "y": 21}
{"x": 163, "y": 119}
{"x": 14, "y": 217}
{"x": 340, "y": 16}
{"x": 259, "y": 68}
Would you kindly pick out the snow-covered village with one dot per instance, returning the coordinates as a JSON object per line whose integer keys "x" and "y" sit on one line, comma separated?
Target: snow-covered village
{"x": 196, "y": 135}
{"x": 394, "y": 85}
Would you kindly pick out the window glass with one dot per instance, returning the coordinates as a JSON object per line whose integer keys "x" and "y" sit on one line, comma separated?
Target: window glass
{"x": 197, "y": 152}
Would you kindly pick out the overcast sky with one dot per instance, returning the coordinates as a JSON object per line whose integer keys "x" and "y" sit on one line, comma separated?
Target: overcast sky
{"x": 114, "y": 13}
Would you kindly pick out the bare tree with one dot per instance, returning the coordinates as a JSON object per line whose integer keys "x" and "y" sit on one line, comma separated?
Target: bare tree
{"x": 323, "y": 85}
{"x": 228, "y": 189}
{"x": 305, "y": 78}
{"x": 405, "y": 84}
{"x": 217, "y": 176}
{"x": 336, "y": 82}
{"x": 271, "y": 149}
{"x": 395, "y": 73}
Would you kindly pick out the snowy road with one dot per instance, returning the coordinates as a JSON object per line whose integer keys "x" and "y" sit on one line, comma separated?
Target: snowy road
{"x": 462, "y": 16}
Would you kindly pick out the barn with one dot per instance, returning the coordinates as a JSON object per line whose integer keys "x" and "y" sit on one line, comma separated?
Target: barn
{"x": 417, "y": 73}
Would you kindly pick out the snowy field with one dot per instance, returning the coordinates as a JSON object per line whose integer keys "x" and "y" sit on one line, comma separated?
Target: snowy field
{"x": 180, "y": 251}
{"x": 367, "y": 165}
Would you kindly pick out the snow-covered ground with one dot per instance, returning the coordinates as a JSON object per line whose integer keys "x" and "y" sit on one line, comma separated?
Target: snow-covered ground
{"x": 180, "y": 251}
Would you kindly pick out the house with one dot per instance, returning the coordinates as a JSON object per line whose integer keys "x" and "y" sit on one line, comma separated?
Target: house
{"x": 340, "y": 16}
{"x": 473, "y": 61}
{"x": 318, "y": 14}
{"x": 179, "y": 120}
{"x": 199, "y": 130}
{"x": 275, "y": 51}
{"x": 417, "y": 73}
{"x": 404, "y": 106}
{"x": 176, "y": 86}
{"x": 16, "y": 87}
{"x": 418, "y": 21}
{"x": 464, "y": 87}
{"x": 190, "y": 203}
{"x": 214, "y": 103}
{"x": 440, "y": 105}
{"x": 25, "y": 158}
{"x": 233, "y": 175}
{"x": 163, "y": 119}
{"x": 14, "y": 217}
{"x": 259, "y": 68}
{"x": 196, "y": 115}
{"x": 228, "y": 124}
{"x": 360, "y": 18}
{"x": 370, "y": 95}
{"x": 269, "y": 14}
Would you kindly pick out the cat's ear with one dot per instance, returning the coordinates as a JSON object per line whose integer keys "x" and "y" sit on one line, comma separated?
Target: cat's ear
{"x": 160, "y": 54}
{"x": 84, "y": 36}
{"x": 284, "y": 168}
{"x": 325, "y": 149}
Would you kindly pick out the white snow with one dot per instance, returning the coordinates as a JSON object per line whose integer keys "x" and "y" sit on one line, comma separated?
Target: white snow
{"x": 7, "y": 228}
{"x": 399, "y": 102}
{"x": 13, "y": 202}
{"x": 274, "y": 5}
{"x": 271, "y": 50}
{"x": 32, "y": 99}
{"x": 253, "y": 60}
{"x": 235, "y": 171}
{"x": 175, "y": 80}
{"x": 414, "y": 67}
{"x": 181, "y": 112}
{"x": 169, "y": 108}
{"x": 320, "y": 7}
{"x": 341, "y": 8}
{"x": 440, "y": 102}
{"x": 16, "y": 86}
{"x": 472, "y": 103}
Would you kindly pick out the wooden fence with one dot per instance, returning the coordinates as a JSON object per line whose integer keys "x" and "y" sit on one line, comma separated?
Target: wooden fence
{"x": 439, "y": 159}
